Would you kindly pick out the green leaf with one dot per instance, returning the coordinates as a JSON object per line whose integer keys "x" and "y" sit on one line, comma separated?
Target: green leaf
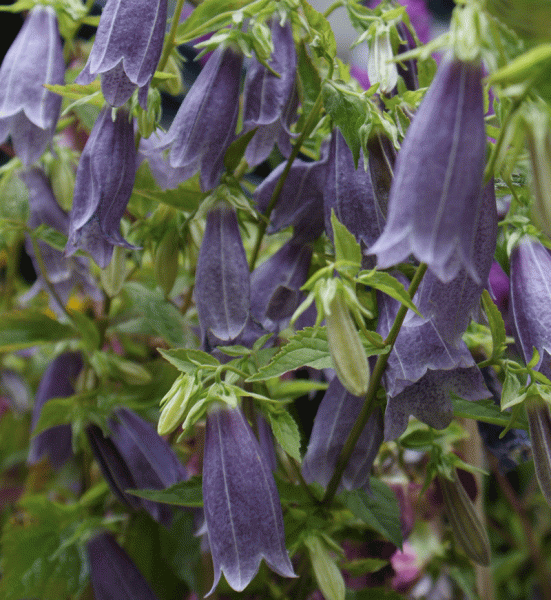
{"x": 348, "y": 110}
{"x": 25, "y": 328}
{"x": 310, "y": 81}
{"x": 188, "y": 360}
{"x": 389, "y": 285}
{"x": 523, "y": 67}
{"x": 322, "y": 38}
{"x": 380, "y": 510}
{"x": 510, "y": 393}
{"x": 62, "y": 411}
{"x": 51, "y": 236}
{"x": 497, "y": 325}
{"x": 485, "y": 411}
{"x": 326, "y": 571}
{"x": 87, "y": 329}
{"x": 286, "y": 432}
{"x": 362, "y": 566}
{"x": 236, "y": 150}
{"x": 376, "y": 594}
{"x": 184, "y": 493}
{"x": 346, "y": 246}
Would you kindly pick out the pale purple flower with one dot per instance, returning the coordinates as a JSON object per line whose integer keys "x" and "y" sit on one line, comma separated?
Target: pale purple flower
{"x": 57, "y": 382}
{"x": 127, "y": 48}
{"x": 334, "y": 420}
{"x": 269, "y": 102}
{"x": 436, "y": 194}
{"x": 104, "y": 182}
{"x": 28, "y": 111}
{"x": 114, "y": 574}
{"x": 204, "y": 125}
{"x": 241, "y": 503}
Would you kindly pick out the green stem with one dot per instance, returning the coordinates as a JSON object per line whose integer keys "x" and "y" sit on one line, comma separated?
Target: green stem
{"x": 332, "y": 8}
{"x": 374, "y": 382}
{"x": 308, "y": 127}
{"x": 169, "y": 42}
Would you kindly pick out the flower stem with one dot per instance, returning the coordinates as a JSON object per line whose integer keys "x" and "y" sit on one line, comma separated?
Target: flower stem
{"x": 169, "y": 42}
{"x": 374, "y": 382}
{"x": 332, "y": 8}
{"x": 308, "y": 127}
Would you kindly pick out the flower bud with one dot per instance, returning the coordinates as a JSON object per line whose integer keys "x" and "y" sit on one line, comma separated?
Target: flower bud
{"x": 174, "y": 85}
{"x": 379, "y": 69}
{"x": 165, "y": 266}
{"x": 539, "y": 424}
{"x": 175, "y": 404}
{"x": 113, "y": 276}
{"x": 346, "y": 348}
{"x": 466, "y": 526}
{"x": 62, "y": 179}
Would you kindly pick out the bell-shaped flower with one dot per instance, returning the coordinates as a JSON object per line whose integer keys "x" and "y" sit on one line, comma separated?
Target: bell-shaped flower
{"x": 204, "y": 125}
{"x": 300, "y": 202}
{"x": 57, "y": 382}
{"x": 135, "y": 456}
{"x": 127, "y": 48}
{"x": 435, "y": 197}
{"x": 269, "y": 102}
{"x": 222, "y": 288}
{"x": 28, "y": 111}
{"x": 64, "y": 273}
{"x": 114, "y": 575}
{"x": 242, "y": 508}
{"x": 349, "y": 192}
{"x": 334, "y": 420}
{"x": 104, "y": 182}
{"x": 421, "y": 372}
{"x": 276, "y": 283}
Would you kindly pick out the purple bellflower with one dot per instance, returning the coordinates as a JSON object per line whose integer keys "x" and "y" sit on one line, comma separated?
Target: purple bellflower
{"x": 128, "y": 45}
{"x": 336, "y": 415}
{"x": 63, "y": 273}
{"x": 204, "y": 125}
{"x": 114, "y": 575}
{"x": 57, "y": 382}
{"x": 269, "y": 102}
{"x": 241, "y": 503}
{"x": 135, "y": 456}
{"x": 104, "y": 182}
{"x": 28, "y": 111}
{"x": 222, "y": 288}
{"x": 435, "y": 197}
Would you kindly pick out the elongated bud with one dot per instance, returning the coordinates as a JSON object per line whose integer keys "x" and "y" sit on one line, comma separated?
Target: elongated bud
{"x": 379, "y": 69}
{"x": 176, "y": 403}
{"x": 166, "y": 261}
{"x": 539, "y": 423}
{"x": 113, "y": 276}
{"x": 174, "y": 85}
{"x": 466, "y": 526}
{"x": 346, "y": 348}
{"x": 62, "y": 178}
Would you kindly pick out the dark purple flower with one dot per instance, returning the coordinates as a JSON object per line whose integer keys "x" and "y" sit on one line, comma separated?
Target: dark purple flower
{"x": 104, "y": 182}
{"x": 127, "y": 48}
{"x": 204, "y": 125}
{"x": 57, "y": 382}
{"x": 28, "y": 111}
{"x": 114, "y": 574}
{"x": 135, "y": 456}
{"x": 276, "y": 283}
{"x": 336, "y": 415}
{"x": 241, "y": 503}
{"x": 269, "y": 102}
{"x": 222, "y": 289}
{"x": 435, "y": 198}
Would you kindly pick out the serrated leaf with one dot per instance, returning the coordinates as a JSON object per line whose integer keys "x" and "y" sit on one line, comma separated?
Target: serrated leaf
{"x": 286, "y": 432}
{"x": 346, "y": 246}
{"x": 323, "y": 39}
{"x": 380, "y": 510}
{"x": 26, "y": 328}
{"x": 185, "y": 493}
{"x": 188, "y": 360}
{"x": 389, "y": 285}
{"x": 496, "y": 323}
{"x": 310, "y": 81}
{"x": 485, "y": 411}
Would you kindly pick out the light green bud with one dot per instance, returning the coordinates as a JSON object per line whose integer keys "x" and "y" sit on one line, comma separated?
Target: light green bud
{"x": 174, "y": 84}
{"x": 165, "y": 266}
{"x": 113, "y": 276}
{"x": 175, "y": 403}
{"x": 62, "y": 178}
{"x": 379, "y": 69}
{"x": 148, "y": 119}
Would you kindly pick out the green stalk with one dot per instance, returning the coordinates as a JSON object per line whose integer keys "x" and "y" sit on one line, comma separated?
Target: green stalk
{"x": 169, "y": 42}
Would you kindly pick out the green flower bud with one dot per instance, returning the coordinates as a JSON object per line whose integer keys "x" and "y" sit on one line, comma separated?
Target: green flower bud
{"x": 113, "y": 276}
{"x": 466, "y": 526}
{"x": 173, "y": 85}
{"x": 131, "y": 372}
{"x": 346, "y": 348}
{"x": 62, "y": 179}
{"x": 175, "y": 403}
{"x": 379, "y": 69}
{"x": 539, "y": 424}
{"x": 166, "y": 261}
{"x": 148, "y": 119}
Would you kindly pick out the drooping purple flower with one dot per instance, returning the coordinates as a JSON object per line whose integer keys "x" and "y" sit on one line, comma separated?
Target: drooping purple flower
{"x": 435, "y": 197}
{"x": 28, "y": 111}
{"x": 204, "y": 125}
{"x": 57, "y": 382}
{"x": 349, "y": 192}
{"x": 64, "y": 273}
{"x": 276, "y": 283}
{"x": 336, "y": 415}
{"x": 114, "y": 574}
{"x": 222, "y": 288}
{"x": 241, "y": 503}
{"x": 269, "y": 102}
{"x": 104, "y": 182}
{"x": 127, "y": 48}
{"x": 300, "y": 202}
{"x": 135, "y": 456}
